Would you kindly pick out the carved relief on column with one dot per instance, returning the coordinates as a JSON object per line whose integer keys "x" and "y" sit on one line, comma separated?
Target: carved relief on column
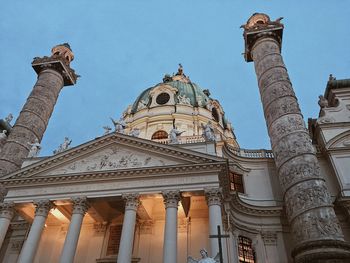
{"x": 213, "y": 196}
{"x": 171, "y": 198}
{"x": 42, "y": 207}
{"x": 80, "y": 205}
{"x": 132, "y": 201}
{"x": 7, "y": 210}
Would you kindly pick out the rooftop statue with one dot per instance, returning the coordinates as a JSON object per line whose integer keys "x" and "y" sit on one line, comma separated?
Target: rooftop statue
{"x": 205, "y": 258}
{"x": 34, "y": 149}
{"x": 208, "y": 132}
{"x": 119, "y": 126}
{"x": 9, "y": 118}
{"x": 323, "y": 102}
{"x": 3, "y": 137}
{"x": 183, "y": 99}
{"x": 64, "y": 146}
{"x": 134, "y": 132}
{"x": 173, "y": 135}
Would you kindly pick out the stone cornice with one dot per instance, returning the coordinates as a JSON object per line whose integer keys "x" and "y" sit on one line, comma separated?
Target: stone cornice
{"x": 121, "y": 139}
{"x": 235, "y": 203}
{"x": 159, "y": 171}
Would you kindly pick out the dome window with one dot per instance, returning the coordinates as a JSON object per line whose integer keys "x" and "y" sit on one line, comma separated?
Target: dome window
{"x": 162, "y": 98}
{"x": 215, "y": 114}
{"x": 159, "y": 135}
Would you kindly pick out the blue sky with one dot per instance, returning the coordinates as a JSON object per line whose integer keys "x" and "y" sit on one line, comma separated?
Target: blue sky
{"x": 124, "y": 47}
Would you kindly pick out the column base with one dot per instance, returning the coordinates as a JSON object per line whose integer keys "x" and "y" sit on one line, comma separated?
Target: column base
{"x": 322, "y": 251}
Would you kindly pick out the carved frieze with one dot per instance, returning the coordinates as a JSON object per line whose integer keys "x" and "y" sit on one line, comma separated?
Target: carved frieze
{"x": 285, "y": 125}
{"x": 306, "y": 195}
{"x": 115, "y": 157}
{"x": 314, "y": 225}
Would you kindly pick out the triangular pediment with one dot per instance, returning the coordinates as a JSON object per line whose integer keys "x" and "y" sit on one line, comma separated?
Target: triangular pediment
{"x": 112, "y": 152}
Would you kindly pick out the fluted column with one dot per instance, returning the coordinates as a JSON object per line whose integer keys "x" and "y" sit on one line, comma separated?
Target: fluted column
{"x": 80, "y": 207}
{"x": 6, "y": 214}
{"x": 171, "y": 201}
{"x": 53, "y": 73}
{"x": 30, "y": 246}
{"x": 127, "y": 238}
{"x": 308, "y": 204}
{"x": 213, "y": 196}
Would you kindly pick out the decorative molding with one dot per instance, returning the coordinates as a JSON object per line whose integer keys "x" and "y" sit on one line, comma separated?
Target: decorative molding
{"x": 146, "y": 226}
{"x": 236, "y": 204}
{"x": 115, "y": 174}
{"x": 16, "y": 245}
{"x": 269, "y": 238}
{"x": 100, "y": 228}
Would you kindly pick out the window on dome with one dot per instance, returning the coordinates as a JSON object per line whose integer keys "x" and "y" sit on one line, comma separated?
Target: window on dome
{"x": 158, "y": 135}
{"x": 236, "y": 182}
{"x": 245, "y": 250}
{"x": 162, "y": 98}
{"x": 215, "y": 114}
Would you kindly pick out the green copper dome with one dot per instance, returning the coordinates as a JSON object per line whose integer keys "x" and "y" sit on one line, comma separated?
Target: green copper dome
{"x": 188, "y": 90}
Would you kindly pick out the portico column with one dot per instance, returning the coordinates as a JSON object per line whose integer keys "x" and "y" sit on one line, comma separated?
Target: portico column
{"x": 42, "y": 208}
{"x": 127, "y": 238}
{"x": 171, "y": 201}
{"x": 80, "y": 207}
{"x": 213, "y": 196}
{"x": 6, "y": 214}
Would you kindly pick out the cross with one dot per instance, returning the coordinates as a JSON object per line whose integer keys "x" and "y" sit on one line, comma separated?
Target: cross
{"x": 219, "y": 236}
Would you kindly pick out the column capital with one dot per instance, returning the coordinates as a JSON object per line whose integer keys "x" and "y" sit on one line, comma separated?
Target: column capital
{"x": 42, "y": 207}
{"x": 260, "y": 26}
{"x": 80, "y": 205}
{"x": 3, "y": 192}
{"x": 59, "y": 61}
{"x": 171, "y": 198}
{"x": 132, "y": 201}
{"x": 7, "y": 210}
{"x": 213, "y": 196}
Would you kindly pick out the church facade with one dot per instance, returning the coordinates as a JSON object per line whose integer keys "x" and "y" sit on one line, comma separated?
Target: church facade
{"x": 171, "y": 179}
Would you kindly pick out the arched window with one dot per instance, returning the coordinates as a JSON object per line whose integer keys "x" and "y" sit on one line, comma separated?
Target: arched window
{"x": 245, "y": 250}
{"x": 215, "y": 114}
{"x": 158, "y": 135}
{"x": 236, "y": 182}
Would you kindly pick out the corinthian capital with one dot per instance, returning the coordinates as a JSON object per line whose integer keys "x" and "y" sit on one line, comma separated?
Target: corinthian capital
{"x": 42, "y": 207}
{"x": 132, "y": 201}
{"x": 7, "y": 210}
{"x": 171, "y": 198}
{"x": 80, "y": 205}
{"x": 213, "y": 196}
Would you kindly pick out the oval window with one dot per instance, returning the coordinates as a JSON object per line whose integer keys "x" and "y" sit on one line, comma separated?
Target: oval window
{"x": 162, "y": 98}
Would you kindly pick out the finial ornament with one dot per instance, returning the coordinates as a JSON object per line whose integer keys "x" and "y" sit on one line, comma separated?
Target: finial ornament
{"x": 331, "y": 77}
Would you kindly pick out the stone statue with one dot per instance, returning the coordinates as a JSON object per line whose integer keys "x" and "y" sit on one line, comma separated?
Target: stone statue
{"x": 142, "y": 105}
{"x": 3, "y": 136}
{"x": 205, "y": 258}
{"x": 34, "y": 149}
{"x": 323, "y": 102}
{"x": 208, "y": 132}
{"x": 135, "y": 132}
{"x": 64, "y": 146}
{"x": 107, "y": 130}
{"x": 9, "y": 118}
{"x": 119, "y": 126}
{"x": 183, "y": 99}
{"x": 173, "y": 135}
